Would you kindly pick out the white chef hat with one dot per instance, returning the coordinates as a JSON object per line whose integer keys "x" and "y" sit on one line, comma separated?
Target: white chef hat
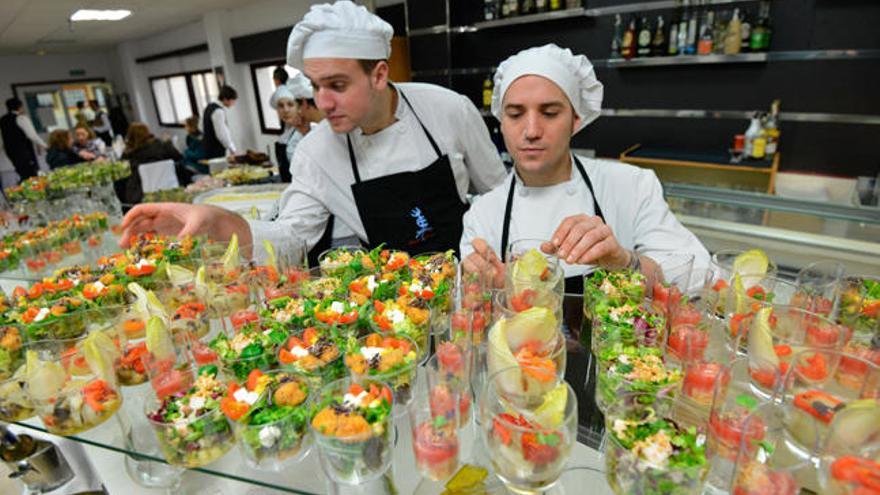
{"x": 281, "y": 92}
{"x": 573, "y": 74}
{"x": 339, "y": 30}
{"x": 300, "y": 86}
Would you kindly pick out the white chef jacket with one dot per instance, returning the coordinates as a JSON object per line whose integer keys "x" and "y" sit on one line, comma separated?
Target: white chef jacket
{"x": 322, "y": 174}
{"x": 631, "y": 200}
{"x": 221, "y": 128}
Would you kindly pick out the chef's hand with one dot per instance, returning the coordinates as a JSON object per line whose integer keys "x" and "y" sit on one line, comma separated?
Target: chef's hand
{"x": 485, "y": 262}
{"x": 181, "y": 219}
{"x": 586, "y": 240}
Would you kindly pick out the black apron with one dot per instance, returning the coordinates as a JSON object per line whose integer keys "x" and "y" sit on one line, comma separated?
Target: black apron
{"x": 573, "y": 285}
{"x": 416, "y": 211}
{"x": 589, "y": 416}
{"x": 283, "y": 162}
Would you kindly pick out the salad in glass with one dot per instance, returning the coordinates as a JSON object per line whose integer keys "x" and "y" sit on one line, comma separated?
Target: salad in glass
{"x": 651, "y": 451}
{"x": 72, "y": 382}
{"x": 353, "y": 430}
{"x": 533, "y": 279}
{"x": 11, "y": 350}
{"x": 270, "y": 415}
{"x": 345, "y": 259}
{"x": 860, "y": 304}
{"x": 389, "y": 359}
{"x": 397, "y": 318}
{"x": 191, "y": 429}
{"x": 15, "y": 404}
{"x": 312, "y": 355}
{"x": 368, "y": 287}
{"x": 634, "y": 369}
{"x": 252, "y": 347}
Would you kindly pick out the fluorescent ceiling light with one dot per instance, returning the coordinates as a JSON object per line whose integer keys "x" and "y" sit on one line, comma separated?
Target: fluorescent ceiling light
{"x": 99, "y": 15}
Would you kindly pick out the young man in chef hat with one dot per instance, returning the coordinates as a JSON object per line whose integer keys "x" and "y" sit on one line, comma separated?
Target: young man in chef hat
{"x": 392, "y": 163}
{"x": 591, "y": 212}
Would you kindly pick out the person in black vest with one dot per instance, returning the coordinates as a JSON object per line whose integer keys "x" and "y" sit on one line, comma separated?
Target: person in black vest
{"x": 19, "y": 138}
{"x": 217, "y": 138}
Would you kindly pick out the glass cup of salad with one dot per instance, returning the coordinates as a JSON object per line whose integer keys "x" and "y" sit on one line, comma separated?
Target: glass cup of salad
{"x": 860, "y": 304}
{"x": 654, "y": 446}
{"x": 15, "y": 404}
{"x": 392, "y": 360}
{"x": 269, "y": 415}
{"x": 818, "y": 287}
{"x": 352, "y": 428}
{"x": 393, "y": 318}
{"x": 850, "y": 459}
{"x": 532, "y": 277}
{"x": 673, "y": 281}
{"x": 764, "y": 462}
{"x": 603, "y": 292}
{"x": 72, "y": 383}
{"x": 822, "y": 388}
{"x": 448, "y": 374}
{"x": 434, "y": 430}
{"x": 189, "y": 425}
{"x": 339, "y": 259}
{"x": 252, "y": 346}
{"x": 313, "y": 355}
{"x": 530, "y": 339}
{"x": 528, "y": 447}
{"x": 632, "y": 323}
{"x": 12, "y": 342}
{"x": 634, "y": 369}
{"x": 734, "y": 397}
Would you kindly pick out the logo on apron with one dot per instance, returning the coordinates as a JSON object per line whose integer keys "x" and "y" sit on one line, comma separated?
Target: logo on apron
{"x": 422, "y": 225}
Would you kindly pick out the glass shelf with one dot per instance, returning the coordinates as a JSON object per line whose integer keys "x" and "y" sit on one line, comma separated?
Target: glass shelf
{"x": 306, "y": 477}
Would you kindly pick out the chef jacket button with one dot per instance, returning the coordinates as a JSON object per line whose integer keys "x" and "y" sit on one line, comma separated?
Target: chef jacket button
{"x": 523, "y": 192}
{"x": 570, "y": 190}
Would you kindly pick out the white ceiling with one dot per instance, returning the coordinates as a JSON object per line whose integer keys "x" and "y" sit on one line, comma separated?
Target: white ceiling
{"x": 27, "y": 26}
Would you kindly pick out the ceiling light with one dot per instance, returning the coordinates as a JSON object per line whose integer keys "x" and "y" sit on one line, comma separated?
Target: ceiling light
{"x": 99, "y": 15}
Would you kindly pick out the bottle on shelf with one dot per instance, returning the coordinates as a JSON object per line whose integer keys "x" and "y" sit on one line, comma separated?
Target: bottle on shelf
{"x": 672, "y": 47}
{"x": 760, "y": 36}
{"x": 628, "y": 45}
{"x": 658, "y": 43}
{"x": 541, "y": 5}
{"x": 505, "y": 9}
{"x": 691, "y": 45}
{"x": 719, "y": 30}
{"x": 756, "y": 140}
{"x": 681, "y": 42}
{"x": 745, "y": 33}
{"x": 527, "y": 7}
{"x": 490, "y": 10}
{"x": 771, "y": 129}
{"x": 573, "y": 4}
{"x": 733, "y": 35}
{"x": 617, "y": 38}
{"x": 555, "y": 4}
{"x": 513, "y": 8}
{"x": 488, "y": 87}
{"x": 644, "y": 40}
{"x": 704, "y": 46}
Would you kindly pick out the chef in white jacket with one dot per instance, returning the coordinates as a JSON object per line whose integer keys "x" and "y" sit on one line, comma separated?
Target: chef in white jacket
{"x": 592, "y": 212}
{"x": 392, "y": 162}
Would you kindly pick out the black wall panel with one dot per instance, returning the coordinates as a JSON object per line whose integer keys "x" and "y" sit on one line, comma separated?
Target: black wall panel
{"x": 821, "y": 86}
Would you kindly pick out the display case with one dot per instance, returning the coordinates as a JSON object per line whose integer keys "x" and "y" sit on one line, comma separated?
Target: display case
{"x": 794, "y": 232}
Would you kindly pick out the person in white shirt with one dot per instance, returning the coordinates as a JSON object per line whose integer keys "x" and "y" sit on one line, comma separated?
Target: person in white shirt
{"x": 591, "y": 212}
{"x": 392, "y": 162}
{"x": 286, "y": 101}
{"x": 217, "y": 141}
{"x": 19, "y": 139}
{"x": 101, "y": 123}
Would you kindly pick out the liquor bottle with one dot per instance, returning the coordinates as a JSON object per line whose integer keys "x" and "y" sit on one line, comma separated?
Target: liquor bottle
{"x": 513, "y": 8}
{"x": 488, "y": 87}
{"x": 704, "y": 46}
{"x": 628, "y": 46}
{"x": 672, "y": 47}
{"x": 719, "y": 29}
{"x": 658, "y": 43}
{"x": 681, "y": 42}
{"x": 541, "y": 5}
{"x": 771, "y": 129}
{"x": 617, "y": 38}
{"x": 644, "y": 38}
{"x": 490, "y": 10}
{"x": 760, "y": 36}
{"x": 733, "y": 35}
{"x": 691, "y": 47}
{"x": 573, "y": 4}
{"x": 505, "y": 9}
{"x": 527, "y": 7}
{"x": 745, "y": 33}
{"x": 752, "y": 134}
{"x": 555, "y": 4}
